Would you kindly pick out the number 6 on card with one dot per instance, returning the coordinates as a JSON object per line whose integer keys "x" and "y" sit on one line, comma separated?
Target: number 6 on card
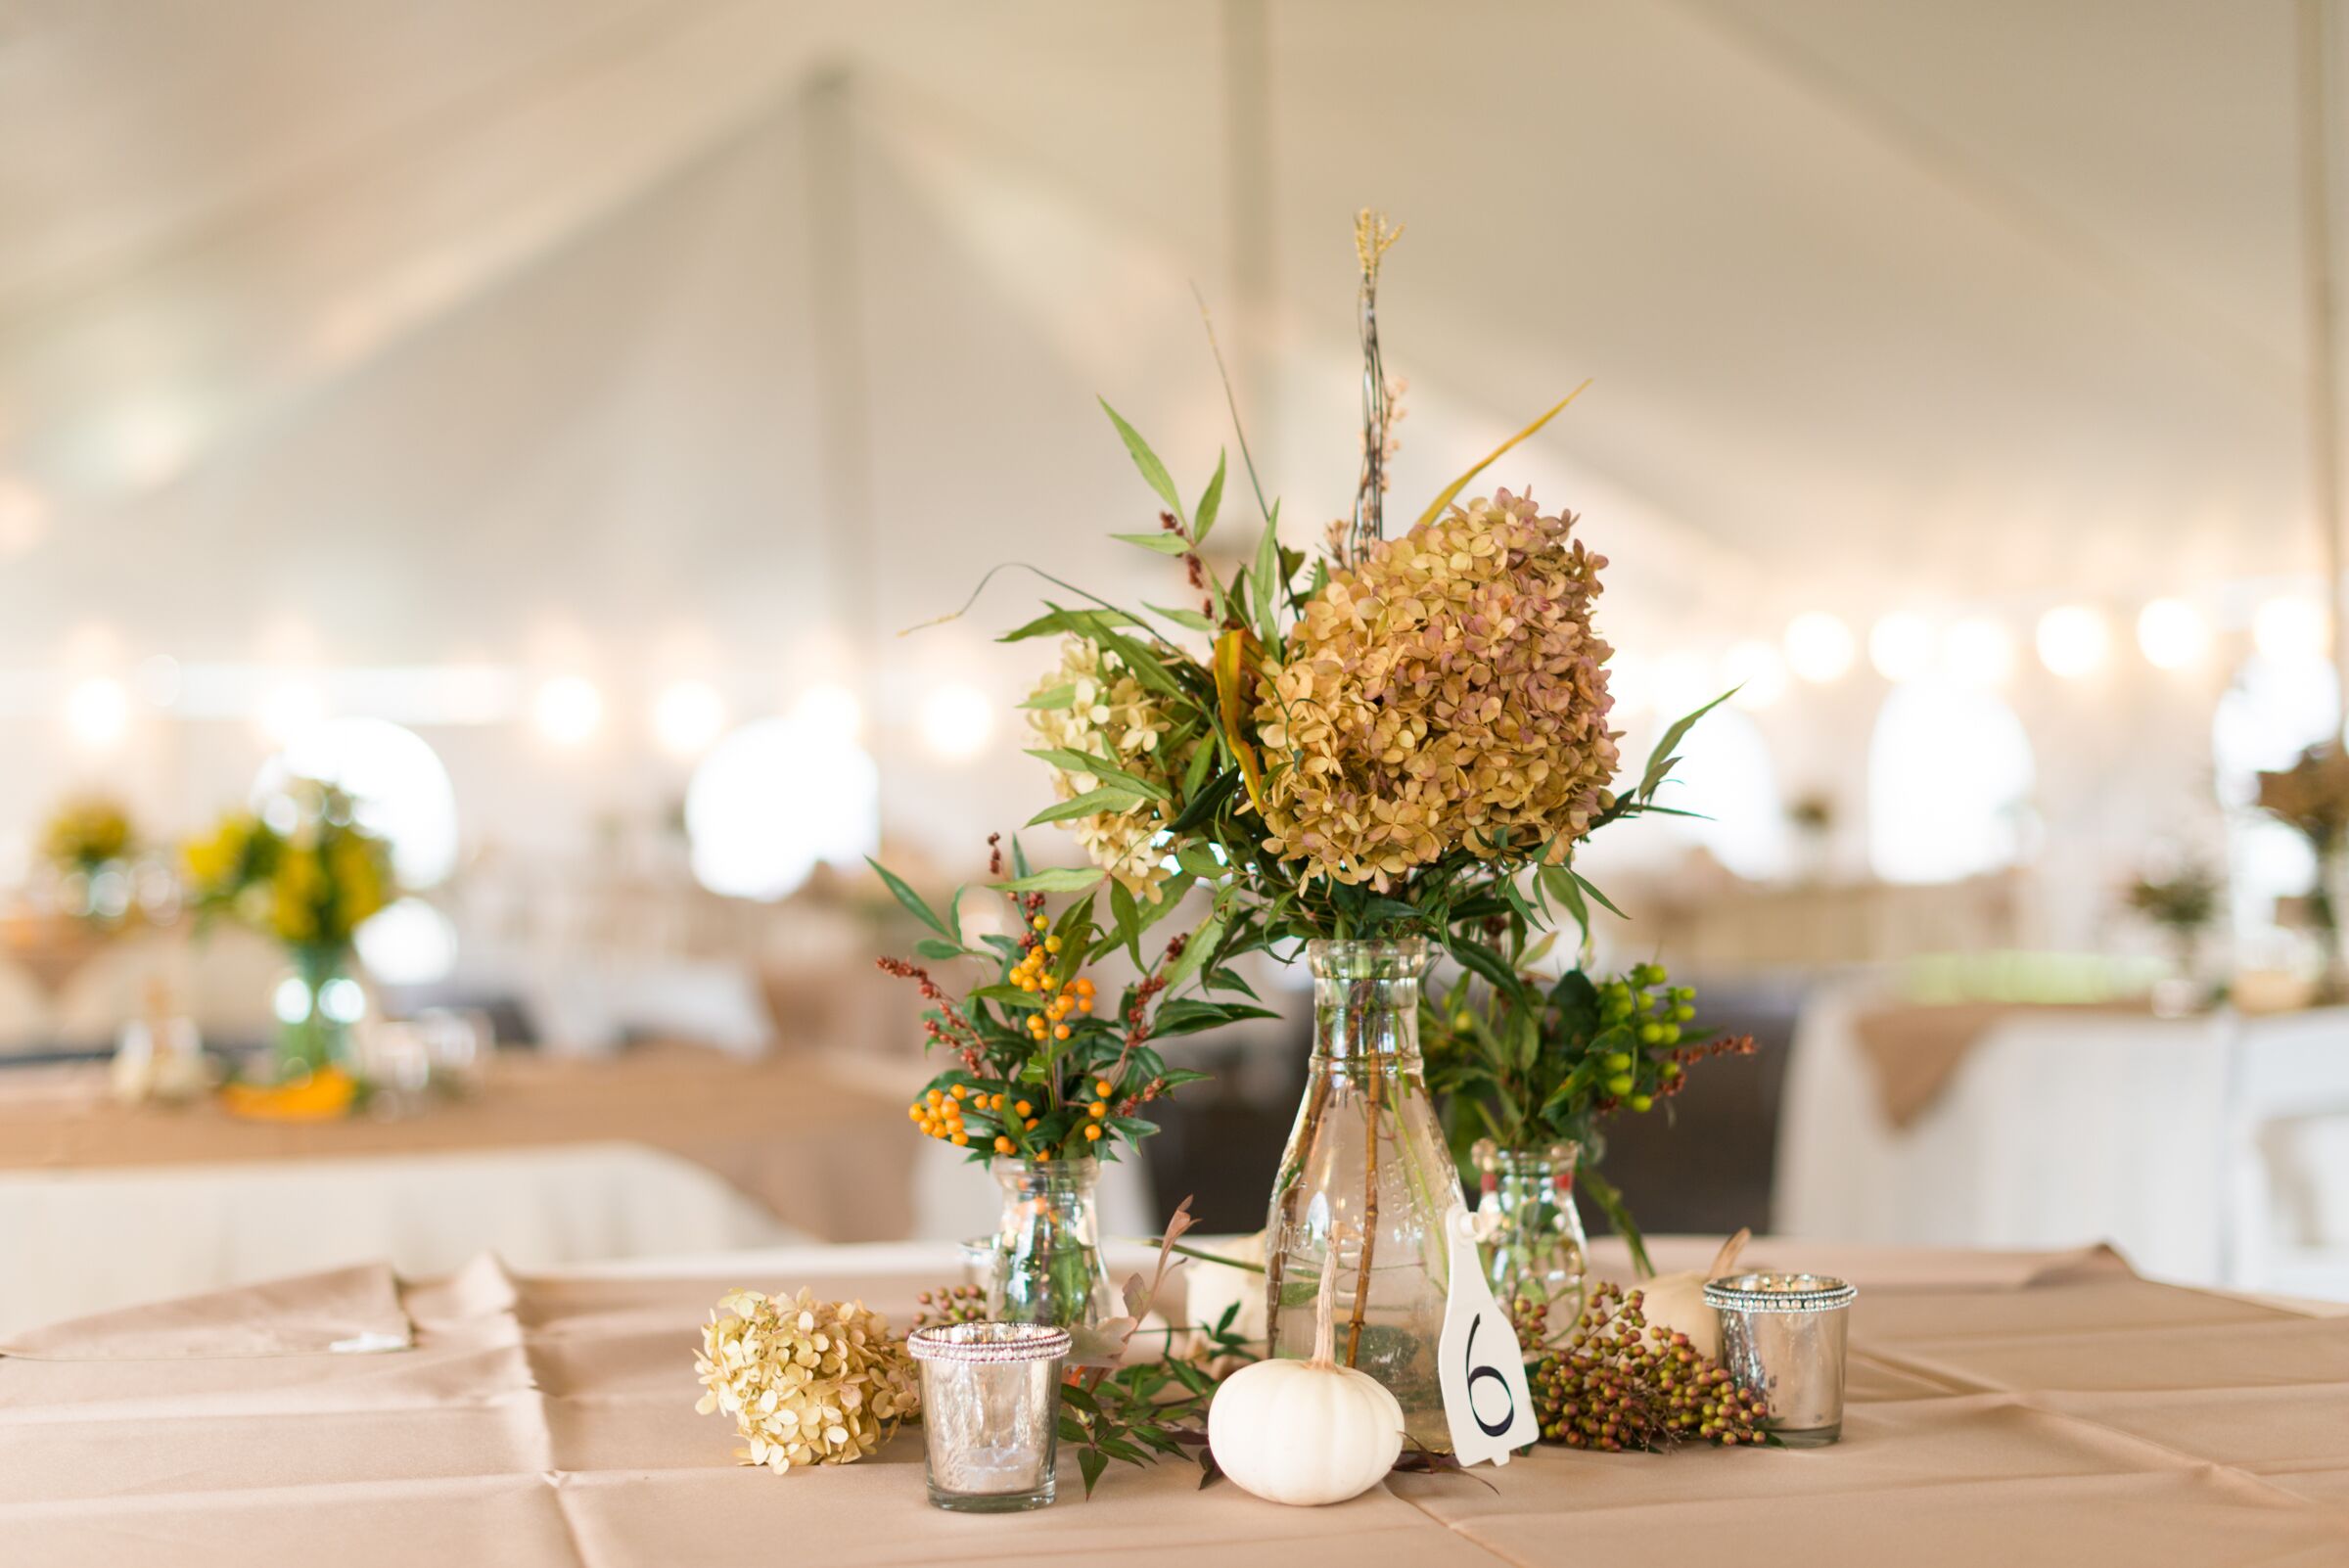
{"x": 1485, "y": 1400}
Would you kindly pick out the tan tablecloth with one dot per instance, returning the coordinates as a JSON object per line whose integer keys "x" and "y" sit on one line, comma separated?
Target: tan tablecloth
{"x": 2005, "y": 1410}
{"x": 788, "y": 1132}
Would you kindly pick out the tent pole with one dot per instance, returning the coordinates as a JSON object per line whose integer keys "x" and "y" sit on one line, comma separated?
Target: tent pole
{"x": 844, "y": 530}
{"x": 1248, "y": 188}
{"x": 2320, "y": 257}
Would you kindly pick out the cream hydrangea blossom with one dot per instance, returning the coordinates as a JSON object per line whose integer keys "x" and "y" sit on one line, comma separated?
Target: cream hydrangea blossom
{"x": 1109, "y": 715}
{"x": 1447, "y": 691}
{"x": 808, "y": 1382}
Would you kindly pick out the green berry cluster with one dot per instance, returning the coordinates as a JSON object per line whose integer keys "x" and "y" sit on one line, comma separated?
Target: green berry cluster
{"x": 1618, "y": 1382}
{"x": 1653, "y": 1012}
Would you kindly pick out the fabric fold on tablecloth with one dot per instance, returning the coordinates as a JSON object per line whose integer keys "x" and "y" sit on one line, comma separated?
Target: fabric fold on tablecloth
{"x": 340, "y": 1311}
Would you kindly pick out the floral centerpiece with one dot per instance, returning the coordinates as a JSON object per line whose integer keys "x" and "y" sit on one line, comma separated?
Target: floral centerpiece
{"x": 1043, "y": 1084}
{"x": 1530, "y": 1071}
{"x": 1364, "y": 757}
{"x": 307, "y": 875}
{"x": 2312, "y": 797}
{"x": 88, "y": 845}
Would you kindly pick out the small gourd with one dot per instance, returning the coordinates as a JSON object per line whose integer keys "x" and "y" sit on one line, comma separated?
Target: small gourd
{"x": 1306, "y": 1432}
{"x": 1677, "y": 1301}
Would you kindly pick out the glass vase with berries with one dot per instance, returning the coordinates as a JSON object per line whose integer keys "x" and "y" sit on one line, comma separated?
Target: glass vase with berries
{"x": 1046, "y": 1078}
{"x": 1537, "y": 1065}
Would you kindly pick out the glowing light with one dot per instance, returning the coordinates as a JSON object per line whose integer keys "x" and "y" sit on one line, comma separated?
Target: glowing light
{"x": 2289, "y": 630}
{"x": 567, "y": 709}
{"x": 291, "y": 1001}
{"x": 1758, "y": 672}
{"x": 342, "y": 999}
{"x": 2074, "y": 640}
{"x": 98, "y": 712}
{"x": 289, "y": 710}
{"x": 1818, "y": 647}
{"x": 396, "y": 783}
{"x": 772, "y": 800}
{"x": 1900, "y": 646}
{"x": 1978, "y": 652}
{"x": 2172, "y": 633}
{"x": 409, "y": 943}
{"x": 687, "y": 716}
{"x": 956, "y": 720}
{"x": 1950, "y": 776}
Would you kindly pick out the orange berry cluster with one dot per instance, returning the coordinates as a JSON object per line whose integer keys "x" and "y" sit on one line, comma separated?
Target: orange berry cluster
{"x": 939, "y": 1112}
{"x": 1032, "y": 973}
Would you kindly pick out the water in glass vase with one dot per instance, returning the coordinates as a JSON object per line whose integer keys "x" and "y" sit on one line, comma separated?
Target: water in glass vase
{"x": 1367, "y": 1162}
{"x": 1048, "y": 1265}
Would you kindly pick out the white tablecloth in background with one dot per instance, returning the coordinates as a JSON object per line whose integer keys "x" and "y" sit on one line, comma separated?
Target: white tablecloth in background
{"x": 73, "y": 1242}
{"x": 2057, "y": 1130}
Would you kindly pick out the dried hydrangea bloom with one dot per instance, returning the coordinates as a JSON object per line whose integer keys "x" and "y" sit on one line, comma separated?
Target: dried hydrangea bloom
{"x": 1447, "y": 691}
{"x": 808, "y": 1382}
{"x": 1111, "y": 715}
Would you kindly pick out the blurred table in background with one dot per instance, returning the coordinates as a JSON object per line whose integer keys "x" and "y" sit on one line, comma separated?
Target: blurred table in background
{"x": 553, "y": 1161}
{"x": 2037, "y": 1127}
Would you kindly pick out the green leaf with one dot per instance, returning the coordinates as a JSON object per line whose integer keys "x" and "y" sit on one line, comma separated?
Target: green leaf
{"x": 1091, "y": 1461}
{"x": 1209, "y": 503}
{"x": 1483, "y": 960}
{"x": 1073, "y": 622}
{"x": 1598, "y": 898}
{"x": 1200, "y": 860}
{"x": 1055, "y": 878}
{"x": 1266, "y": 575}
{"x": 911, "y": 899}
{"x": 937, "y": 947}
{"x": 1190, "y": 618}
{"x": 1053, "y": 697}
{"x": 1108, "y": 798}
{"x": 1163, "y": 542}
{"x": 1660, "y": 760}
{"x": 1197, "y": 951}
{"x": 1154, "y": 472}
{"x": 1559, "y": 883}
{"x": 1108, "y": 772}
{"x": 1122, "y": 910}
{"x": 1203, "y": 803}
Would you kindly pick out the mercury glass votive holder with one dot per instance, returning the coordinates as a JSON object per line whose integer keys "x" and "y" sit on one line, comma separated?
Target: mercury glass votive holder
{"x": 990, "y": 1412}
{"x": 1783, "y": 1336}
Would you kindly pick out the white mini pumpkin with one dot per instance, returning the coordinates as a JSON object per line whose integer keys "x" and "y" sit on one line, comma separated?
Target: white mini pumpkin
{"x": 1677, "y": 1301}
{"x": 1306, "y": 1432}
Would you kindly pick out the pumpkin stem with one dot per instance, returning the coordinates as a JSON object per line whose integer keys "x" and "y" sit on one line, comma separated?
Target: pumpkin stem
{"x": 1325, "y": 1304}
{"x": 1727, "y": 1259}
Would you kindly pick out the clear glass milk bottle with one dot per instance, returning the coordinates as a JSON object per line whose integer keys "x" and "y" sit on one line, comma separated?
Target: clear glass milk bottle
{"x": 1367, "y": 1155}
{"x": 1528, "y": 1230}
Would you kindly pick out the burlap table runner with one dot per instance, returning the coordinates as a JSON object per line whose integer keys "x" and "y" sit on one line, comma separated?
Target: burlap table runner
{"x": 788, "y": 1132}
{"x": 1915, "y": 1050}
{"x": 2004, "y": 1411}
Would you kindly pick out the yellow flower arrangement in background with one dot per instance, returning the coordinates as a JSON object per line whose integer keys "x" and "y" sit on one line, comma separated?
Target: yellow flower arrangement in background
{"x": 309, "y": 885}
{"x": 86, "y": 833}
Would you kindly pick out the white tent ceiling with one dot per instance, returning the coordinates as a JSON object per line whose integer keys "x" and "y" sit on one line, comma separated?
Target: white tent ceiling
{"x": 698, "y": 330}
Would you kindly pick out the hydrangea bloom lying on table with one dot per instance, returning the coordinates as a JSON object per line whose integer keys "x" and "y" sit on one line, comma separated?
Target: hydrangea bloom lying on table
{"x": 808, "y": 1382}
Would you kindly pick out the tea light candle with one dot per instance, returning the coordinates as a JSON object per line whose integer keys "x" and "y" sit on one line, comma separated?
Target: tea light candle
{"x": 990, "y": 1412}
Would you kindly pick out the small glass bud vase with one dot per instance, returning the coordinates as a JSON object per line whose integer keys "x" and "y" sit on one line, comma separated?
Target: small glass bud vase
{"x": 1367, "y": 1163}
{"x": 1531, "y": 1233}
{"x": 990, "y": 1413}
{"x": 1048, "y": 1264}
{"x": 317, "y": 1002}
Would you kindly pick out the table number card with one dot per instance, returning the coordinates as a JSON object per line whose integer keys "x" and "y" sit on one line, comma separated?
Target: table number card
{"x": 1485, "y": 1400}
